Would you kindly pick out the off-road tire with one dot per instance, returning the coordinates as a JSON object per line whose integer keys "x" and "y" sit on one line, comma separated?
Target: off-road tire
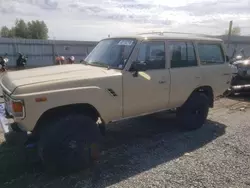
{"x": 193, "y": 114}
{"x": 69, "y": 144}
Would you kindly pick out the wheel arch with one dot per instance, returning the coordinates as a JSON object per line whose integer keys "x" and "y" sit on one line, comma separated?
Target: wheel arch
{"x": 54, "y": 113}
{"x": 208, "y": 91}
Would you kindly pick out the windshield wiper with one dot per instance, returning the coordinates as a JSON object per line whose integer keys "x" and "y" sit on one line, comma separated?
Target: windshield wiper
{"x": 84, "y": 62}
{"x": 99, "y": 64}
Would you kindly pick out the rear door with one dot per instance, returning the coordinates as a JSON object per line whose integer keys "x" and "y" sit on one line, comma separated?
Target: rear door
{"x": 216, "y": 72}
{"x": 184, "y": 70}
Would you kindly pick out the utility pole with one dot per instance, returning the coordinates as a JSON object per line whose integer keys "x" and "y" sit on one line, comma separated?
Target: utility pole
{"x": 229, "y": 33}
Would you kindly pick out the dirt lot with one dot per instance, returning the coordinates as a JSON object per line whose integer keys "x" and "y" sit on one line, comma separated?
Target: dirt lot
{"x": 152, "y": 152}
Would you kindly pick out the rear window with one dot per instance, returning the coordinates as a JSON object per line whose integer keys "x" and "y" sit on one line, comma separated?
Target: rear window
{"x": 211, "y": 53}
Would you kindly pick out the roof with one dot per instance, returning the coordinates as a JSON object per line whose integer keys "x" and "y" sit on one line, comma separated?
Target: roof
{"x": 170, "y": 35}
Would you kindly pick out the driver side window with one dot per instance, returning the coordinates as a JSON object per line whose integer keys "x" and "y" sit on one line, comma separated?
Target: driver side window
{"x": 153, "y": 54}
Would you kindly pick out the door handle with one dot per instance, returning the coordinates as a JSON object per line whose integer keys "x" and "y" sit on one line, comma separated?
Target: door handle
{"x": 197, "y": 77}
{"x": 226, "y": 74}
{"x": 162, "y": 82}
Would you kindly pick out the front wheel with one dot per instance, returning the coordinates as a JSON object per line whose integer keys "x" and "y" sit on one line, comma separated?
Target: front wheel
{"x": 70, "y": 144}
{"x": 193, "y": 114}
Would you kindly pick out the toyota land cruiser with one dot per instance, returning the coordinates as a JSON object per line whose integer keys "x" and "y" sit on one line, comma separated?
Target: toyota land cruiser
{"x": 66, "y": 107}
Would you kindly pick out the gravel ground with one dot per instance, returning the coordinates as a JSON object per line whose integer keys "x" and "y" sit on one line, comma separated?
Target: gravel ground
{"x": 152, "y": 152}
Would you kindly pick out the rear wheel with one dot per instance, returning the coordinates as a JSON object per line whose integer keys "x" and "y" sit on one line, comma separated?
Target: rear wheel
{"x": 193, "y": 114}
{"x": 70, "y": 144}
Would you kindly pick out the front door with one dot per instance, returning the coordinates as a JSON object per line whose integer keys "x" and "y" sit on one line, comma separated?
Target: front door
{"x": 149, "y": 91}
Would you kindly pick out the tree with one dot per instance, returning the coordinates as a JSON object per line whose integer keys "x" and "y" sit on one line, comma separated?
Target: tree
{"x": 5, "y": 32}
{"x": 12, "y": 33}
{"x": 20, "y": 28}
{"x": 235, "y": 31}
{"x": 37, "y": 30}
{"x": 31, "y": 30}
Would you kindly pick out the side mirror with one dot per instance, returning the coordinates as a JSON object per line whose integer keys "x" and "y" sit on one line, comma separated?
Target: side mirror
{"x": 138, "y": 66}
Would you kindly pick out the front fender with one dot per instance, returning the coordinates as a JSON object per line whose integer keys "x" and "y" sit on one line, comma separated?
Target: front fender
{"x": 108, "y": 105}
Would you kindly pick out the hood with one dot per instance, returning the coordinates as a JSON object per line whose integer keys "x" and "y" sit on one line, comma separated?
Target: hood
{"x": 15, "y": 79}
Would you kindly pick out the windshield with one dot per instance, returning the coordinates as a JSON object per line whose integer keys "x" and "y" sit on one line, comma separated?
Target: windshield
{"x": 112, "y": 53}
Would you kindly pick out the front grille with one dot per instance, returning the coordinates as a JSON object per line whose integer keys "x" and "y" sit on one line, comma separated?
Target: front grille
{"x": 242, "y": 66}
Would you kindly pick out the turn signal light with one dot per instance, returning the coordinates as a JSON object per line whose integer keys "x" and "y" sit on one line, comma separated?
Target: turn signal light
{"x": 17, "y": 107}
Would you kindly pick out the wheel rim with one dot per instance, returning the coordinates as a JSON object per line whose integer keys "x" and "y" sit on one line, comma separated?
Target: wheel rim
{"x": 198, "y": 113}
{"x": 198, "y": 110}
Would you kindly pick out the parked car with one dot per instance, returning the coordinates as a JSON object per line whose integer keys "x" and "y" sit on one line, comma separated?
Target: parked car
{"x": 123, "y": 77}
{"x": 241, "y": 78}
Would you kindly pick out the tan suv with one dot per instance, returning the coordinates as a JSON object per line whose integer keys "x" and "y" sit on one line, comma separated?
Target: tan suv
{"x": 63, "y": 106}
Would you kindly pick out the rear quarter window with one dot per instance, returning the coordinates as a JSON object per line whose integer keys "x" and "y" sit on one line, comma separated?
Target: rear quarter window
{"x": 210, "y": 53}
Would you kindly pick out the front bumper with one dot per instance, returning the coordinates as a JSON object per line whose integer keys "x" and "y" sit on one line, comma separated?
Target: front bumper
{"x": 241, "y": 87}
{"x": 5, "y": 125}
{"x": 12, "y": 133}
{"x": 8, "y": 126}
{"x": 240, "y": 84}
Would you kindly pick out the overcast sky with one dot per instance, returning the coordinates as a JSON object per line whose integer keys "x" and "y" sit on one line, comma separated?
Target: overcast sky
{"x": 95, "y": 19}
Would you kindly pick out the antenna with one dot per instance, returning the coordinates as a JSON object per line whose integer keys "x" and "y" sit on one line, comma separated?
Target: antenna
{"x": 163, "y": 32}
